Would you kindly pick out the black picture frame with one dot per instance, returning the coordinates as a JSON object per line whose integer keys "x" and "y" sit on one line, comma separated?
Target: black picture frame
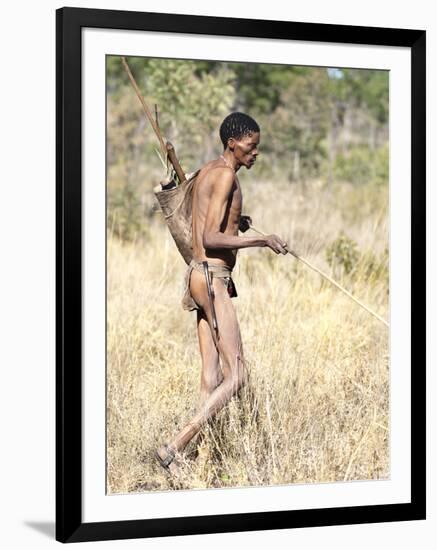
{"x": 69, "y": 524}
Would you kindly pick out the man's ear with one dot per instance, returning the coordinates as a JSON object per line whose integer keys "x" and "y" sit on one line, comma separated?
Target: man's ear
{"x": 231, "y": 143}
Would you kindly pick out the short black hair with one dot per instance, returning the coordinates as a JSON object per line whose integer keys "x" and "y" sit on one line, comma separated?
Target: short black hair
{"x": 237, "y": 125}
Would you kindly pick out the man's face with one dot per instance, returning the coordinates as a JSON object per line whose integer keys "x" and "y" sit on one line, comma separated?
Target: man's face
{"x": 245, "y": 149}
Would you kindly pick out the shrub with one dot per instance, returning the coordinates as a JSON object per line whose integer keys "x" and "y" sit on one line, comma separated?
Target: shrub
{"x": 361, "y": 165}
{"x": 342, "y": 254}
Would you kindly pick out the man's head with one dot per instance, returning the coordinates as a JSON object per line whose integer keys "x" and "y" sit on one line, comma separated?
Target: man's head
{"x": 240, "y": 134}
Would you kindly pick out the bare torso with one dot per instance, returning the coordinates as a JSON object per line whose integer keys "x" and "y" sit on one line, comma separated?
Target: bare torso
{"x": 201, "y": 198}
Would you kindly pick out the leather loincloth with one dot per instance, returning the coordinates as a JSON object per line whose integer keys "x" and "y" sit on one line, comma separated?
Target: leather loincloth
{"x": 222, "y": 272}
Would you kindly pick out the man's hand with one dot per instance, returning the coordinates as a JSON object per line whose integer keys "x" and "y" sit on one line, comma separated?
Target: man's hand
{"x": 277, "y": 244}
{"x": 245, "y": 223}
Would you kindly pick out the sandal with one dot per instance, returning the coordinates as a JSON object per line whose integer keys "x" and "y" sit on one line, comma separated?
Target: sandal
{"x": 165, "y": 462}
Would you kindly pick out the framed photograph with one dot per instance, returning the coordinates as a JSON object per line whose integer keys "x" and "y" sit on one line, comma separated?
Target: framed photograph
{"x": 240, "y": 275}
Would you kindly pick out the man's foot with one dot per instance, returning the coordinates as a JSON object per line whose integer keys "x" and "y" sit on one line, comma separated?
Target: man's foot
{"x": 166, "y": 457}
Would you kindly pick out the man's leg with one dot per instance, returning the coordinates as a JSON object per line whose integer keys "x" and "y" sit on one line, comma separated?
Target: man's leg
{"x": 231, "y": 354}
{"x": 211, "y": 374}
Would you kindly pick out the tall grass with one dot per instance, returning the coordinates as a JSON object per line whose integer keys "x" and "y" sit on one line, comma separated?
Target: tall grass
{"x": 316, "y": 408}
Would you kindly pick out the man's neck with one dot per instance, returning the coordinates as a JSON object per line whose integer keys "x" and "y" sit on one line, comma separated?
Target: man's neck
{"x": 231, "y": 161}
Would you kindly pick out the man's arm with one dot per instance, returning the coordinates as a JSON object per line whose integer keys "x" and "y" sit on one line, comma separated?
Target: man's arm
{"x": 212, "y": 236}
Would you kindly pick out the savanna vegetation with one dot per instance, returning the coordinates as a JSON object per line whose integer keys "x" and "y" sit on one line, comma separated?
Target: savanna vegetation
{"x": 317, "y": 405}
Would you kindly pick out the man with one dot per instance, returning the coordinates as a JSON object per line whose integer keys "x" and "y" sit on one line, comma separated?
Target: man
{"x": 216, "y": 211}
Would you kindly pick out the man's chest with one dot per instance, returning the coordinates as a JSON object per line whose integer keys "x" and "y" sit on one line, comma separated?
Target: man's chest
{"x": 236, "y": 198}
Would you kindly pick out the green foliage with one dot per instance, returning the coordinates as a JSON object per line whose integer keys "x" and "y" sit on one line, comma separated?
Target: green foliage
{"x": 342, "y": 254}
{"x": 362, "y": 165}
{"x": 126, "y": 214}
{"x": 300, "y": 122}
{"x": 192, "y": 103}
{"x": 116, "y": 77}
{"x": 381, "y": 165}
{"x": 369, "y": 88}
{"x": 344, "y": 257}
{"x": 260, "y": 86}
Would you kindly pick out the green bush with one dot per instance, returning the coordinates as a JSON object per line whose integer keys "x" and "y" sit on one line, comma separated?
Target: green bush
{"x": 361, "y": 165}
{"x": 344, "y": 257}
{"x": 127, "y": 214}
{"x": 342, "y": 254}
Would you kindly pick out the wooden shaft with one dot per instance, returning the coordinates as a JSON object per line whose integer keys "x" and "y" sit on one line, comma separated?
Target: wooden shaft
{"x": 146, "y": 109}
{"x": 174, "y": 160}
{"x": 328, "y": 278}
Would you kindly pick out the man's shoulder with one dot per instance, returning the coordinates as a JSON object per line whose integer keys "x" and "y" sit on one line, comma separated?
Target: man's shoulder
{"x": 214, "y": 173}
{"x": 219, "y": 172}
{"x": 222, "y": 173}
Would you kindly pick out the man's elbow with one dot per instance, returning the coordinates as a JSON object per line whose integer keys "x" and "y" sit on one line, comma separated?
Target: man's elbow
{"x": 208, "y": 240}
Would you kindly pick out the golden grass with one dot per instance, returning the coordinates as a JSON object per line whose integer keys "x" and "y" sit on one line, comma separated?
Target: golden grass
{"x": 317, "y": 405}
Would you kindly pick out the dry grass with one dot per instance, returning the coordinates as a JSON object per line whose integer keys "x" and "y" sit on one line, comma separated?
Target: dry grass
{"x": 316, "y": 408}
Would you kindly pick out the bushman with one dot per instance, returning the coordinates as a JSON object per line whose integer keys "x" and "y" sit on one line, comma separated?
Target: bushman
{"x": 216, "y": 214}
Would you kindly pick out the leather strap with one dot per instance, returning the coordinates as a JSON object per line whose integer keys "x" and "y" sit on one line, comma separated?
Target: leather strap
{"x": 210, "y": 297}
{"x": 169, "y": 458}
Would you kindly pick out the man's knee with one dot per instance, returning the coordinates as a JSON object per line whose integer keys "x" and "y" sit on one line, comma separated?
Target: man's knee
{"x": 237, "y": 383}
{"x": 210, "y": 380}
{"x": 238, "y": 376}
